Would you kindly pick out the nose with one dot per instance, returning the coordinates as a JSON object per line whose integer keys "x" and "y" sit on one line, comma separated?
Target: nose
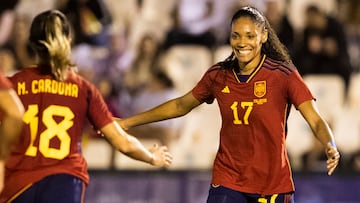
{"x": 239, "y": 42}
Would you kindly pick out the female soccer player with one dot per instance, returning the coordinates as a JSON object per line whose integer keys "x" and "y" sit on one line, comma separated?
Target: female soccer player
{"x": 255, "y": 88}
{"x": 47, "y": 165}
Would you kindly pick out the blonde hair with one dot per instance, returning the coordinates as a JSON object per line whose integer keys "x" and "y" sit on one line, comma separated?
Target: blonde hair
{"x": 49, "y": 36}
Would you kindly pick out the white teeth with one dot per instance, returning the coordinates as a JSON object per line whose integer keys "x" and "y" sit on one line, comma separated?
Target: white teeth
{"x": 243, "y": 51}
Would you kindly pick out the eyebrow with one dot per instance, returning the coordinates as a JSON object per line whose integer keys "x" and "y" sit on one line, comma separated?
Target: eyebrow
{"x": 249, "y": 32}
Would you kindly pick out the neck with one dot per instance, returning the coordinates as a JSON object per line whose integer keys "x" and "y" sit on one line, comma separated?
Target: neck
{"x": 248, "y": 68}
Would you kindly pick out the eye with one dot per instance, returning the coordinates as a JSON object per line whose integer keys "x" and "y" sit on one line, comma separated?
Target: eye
{"x": 251, "y": 36}
{"x": 234, "y": 36}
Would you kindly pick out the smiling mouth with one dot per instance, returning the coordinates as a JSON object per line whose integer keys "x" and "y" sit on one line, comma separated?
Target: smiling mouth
{"x": 242, "y": 52}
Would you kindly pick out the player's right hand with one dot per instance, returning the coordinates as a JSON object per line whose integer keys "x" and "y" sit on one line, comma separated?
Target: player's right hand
{"x": 161, "y": 156}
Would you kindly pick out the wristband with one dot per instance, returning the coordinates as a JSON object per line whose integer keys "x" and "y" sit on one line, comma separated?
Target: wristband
{"x": 332, "y": 143}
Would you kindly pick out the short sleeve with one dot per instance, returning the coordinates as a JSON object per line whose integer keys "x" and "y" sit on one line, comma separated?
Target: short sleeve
{"x": 298, "y": 91}
{"x": 98, "y": 113}
{"x": 203, "y": 91}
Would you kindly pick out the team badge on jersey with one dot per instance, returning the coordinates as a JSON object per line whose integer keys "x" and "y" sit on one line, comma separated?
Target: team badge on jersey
{"x": 260, "y": 88}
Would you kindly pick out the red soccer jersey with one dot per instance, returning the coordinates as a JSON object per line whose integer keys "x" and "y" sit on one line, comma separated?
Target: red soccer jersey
{"x": 54, "y": 119}
{"x": 252, "y": 155}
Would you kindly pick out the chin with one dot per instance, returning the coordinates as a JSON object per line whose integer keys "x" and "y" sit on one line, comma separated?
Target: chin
{"x": 244, "y": 59}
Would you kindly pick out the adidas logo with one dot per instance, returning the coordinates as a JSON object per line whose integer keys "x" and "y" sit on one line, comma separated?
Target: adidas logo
{"x": 225, "y": 90}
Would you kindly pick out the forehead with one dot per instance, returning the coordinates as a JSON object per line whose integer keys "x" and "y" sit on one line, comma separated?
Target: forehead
{"x": 245, "y": 24}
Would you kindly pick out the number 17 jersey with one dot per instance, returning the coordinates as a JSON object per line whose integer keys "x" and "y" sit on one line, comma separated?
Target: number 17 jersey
{"x": 252, "y": 156}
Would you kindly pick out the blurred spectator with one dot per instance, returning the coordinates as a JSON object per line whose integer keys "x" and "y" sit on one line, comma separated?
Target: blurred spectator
{"x": 110, "y": 62}
{"x": 18, "y": 43}
{"x": 259, "y": 4}
{"x": 120, "y": 55}
{"x": 123, "y": 13}
{"x": 15, "y": 19}
{"x": 349, "y": 11}
{"x": 193, "y": 24}
{"x": 324, "y": 48}
{"x": 107, "y": 91}
{"x": 279, "y": 20}
{"x": 7, "y": 19}
{"x": 147, "y": 86}
{"x": 154, "y": 17}
{"x": 90, "y": 20}
{"x": 159, "y": 87}
{"x": 32, "y": 8}
{"x": 7, "y": 62}
{"x": 221, "y": 11}
{"x": 148, "y": 54}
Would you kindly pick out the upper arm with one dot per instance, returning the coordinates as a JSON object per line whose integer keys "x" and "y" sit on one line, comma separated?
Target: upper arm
{"x": 187, "y": 102}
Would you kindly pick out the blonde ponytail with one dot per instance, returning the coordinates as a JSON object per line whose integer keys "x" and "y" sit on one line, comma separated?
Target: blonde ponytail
{"x": 50, "y": 38}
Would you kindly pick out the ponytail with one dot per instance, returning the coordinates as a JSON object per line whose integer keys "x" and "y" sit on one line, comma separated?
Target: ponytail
{"x": 49, "y": 36}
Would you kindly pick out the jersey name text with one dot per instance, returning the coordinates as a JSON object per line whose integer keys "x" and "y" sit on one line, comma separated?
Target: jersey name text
{"x": 49, "y": 86}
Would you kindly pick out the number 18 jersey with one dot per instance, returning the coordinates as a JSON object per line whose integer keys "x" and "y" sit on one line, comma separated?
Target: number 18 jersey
{"x": 54, "y": 119}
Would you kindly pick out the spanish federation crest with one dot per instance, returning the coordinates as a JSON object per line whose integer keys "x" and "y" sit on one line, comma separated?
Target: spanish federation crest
{"x": 260, "y": 88}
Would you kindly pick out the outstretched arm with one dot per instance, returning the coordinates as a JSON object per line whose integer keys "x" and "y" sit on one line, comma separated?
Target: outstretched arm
{"x": 171, "y": 109}
{"x": 131, "y": 146}
{"x": 322, "y": 132}
{"x": 11, "y": 125}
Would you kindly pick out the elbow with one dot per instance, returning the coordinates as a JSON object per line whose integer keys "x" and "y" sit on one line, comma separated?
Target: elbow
{"x": 125, "y": 148}
{"x": 182, "y": 112}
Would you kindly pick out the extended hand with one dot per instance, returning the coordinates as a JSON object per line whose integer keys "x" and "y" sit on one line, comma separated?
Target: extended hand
{"x": 333, "y": 157}
{"x": 161, "y": 156}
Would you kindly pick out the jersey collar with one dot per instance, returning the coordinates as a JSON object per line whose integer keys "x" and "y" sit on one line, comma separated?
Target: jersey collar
{"x": 253, "y": 73}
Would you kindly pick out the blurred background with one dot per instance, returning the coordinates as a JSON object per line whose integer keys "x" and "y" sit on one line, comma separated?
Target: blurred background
{"x": 140, "y": 53}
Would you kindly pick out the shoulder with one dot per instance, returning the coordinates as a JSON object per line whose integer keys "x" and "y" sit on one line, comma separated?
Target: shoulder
{"x": 219, "y": 67}
{"x": 83, "y": 84}
{"x": 24, "y": 74}
{"x": 216, "y": 70}
{"x": 78, "y": 79}
{"x": 279, "y": 66}
{"x": 216, "y": 67}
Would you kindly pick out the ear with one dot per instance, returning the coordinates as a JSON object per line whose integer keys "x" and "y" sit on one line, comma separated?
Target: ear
{"x": 264, "y": 36}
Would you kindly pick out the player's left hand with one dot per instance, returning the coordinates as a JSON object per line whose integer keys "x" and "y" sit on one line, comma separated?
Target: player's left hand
{"x": 333, "y": 158}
